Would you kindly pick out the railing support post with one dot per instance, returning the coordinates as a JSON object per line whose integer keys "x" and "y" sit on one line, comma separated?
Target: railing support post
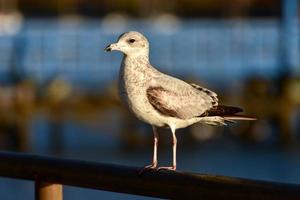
{"x": 48, "y": 191}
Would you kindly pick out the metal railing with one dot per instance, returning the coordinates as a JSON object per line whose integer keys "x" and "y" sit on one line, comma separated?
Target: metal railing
{"x": 51, "y": 173}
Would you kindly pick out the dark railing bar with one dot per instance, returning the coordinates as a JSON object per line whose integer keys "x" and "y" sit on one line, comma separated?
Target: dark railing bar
{"x": 163, "y": 184}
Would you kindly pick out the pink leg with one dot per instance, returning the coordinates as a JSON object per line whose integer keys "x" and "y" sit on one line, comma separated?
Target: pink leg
{"x": 173, "y": 167}
{"x": 153, "y": 165}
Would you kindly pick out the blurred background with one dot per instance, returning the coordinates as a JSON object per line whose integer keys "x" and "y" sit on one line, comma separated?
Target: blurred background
{"x": 58, "y": 88}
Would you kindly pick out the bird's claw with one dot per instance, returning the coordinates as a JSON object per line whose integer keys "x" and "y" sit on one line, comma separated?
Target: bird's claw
{"x": 171, "y": 168}
{"x": 153, "y": 166}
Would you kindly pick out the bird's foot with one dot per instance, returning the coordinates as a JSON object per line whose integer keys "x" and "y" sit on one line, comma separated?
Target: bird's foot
{"x": 153, "y": 166}
{"x": 171, "y": 168}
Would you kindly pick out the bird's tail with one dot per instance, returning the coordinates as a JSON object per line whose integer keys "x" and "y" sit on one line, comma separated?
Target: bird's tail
{"x": 229, "y": 113}
{"x": 238, "y": 117}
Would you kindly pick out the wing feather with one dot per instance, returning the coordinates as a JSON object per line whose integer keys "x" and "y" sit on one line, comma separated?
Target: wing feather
{"x": 181, "y": 100}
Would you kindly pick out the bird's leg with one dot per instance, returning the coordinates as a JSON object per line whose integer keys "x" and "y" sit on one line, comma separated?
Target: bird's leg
{"x": 153, "y": 165}
{"x": 173, "y": 167}
{"x": 154, "y": 160}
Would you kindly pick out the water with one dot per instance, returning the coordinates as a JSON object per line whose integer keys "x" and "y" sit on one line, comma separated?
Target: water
{"x": 226, "y": 49}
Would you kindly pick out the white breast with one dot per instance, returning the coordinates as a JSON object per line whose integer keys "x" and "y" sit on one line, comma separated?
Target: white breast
{"x": 133, "y": 82}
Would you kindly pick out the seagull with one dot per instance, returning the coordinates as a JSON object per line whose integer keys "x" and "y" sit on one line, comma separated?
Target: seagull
{"x": 162, "y": 100}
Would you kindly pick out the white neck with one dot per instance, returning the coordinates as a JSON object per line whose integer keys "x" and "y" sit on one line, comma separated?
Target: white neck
{"x": 137, "y": 58}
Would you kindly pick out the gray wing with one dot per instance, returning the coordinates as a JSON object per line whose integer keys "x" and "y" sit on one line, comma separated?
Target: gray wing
{"x": 176, "y": 98}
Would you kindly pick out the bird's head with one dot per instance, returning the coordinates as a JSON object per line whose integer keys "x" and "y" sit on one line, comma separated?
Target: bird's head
{"x": 131, "y": 44}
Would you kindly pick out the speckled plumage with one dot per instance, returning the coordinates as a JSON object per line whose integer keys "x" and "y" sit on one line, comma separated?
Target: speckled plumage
{"x": 137, "y": 75}
{"x": 159, "y": 99}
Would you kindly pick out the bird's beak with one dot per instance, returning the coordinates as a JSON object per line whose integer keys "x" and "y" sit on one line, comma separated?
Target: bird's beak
{"x": 112, "y": 47}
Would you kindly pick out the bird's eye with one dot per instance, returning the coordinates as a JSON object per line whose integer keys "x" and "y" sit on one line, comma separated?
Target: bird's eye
{"x": 131, "y": 40}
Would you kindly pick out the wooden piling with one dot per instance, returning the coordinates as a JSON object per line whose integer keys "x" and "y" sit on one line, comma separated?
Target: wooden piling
{"x": 48, "y": 191}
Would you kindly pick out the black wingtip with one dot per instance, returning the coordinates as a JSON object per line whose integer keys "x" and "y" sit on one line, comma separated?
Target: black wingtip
{"x": 221, "y": 110}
